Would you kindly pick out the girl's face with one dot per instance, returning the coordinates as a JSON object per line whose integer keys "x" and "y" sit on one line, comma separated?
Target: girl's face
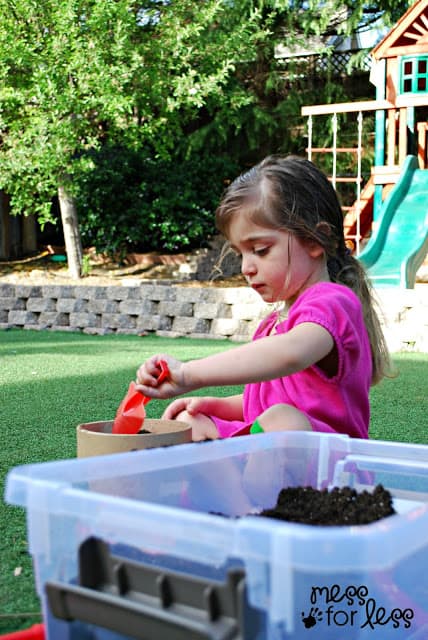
{"x": 275, "y": 263}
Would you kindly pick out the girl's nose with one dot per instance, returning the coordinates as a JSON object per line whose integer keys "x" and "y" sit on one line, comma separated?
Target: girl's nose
{"x": 248, "y": 266}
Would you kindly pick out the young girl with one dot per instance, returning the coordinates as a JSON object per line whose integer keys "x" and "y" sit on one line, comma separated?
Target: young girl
{"x": 309, "y": 366}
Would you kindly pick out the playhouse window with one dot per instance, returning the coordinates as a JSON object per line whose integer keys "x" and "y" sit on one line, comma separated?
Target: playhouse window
{"x": 414, "y": 74}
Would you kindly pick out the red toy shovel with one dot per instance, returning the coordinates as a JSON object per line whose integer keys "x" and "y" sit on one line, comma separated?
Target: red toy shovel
{"x": 36, "y": 632}
{"x": 131, "y": 412}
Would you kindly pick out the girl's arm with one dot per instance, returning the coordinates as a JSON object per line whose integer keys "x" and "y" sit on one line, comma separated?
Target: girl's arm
{"x": 264, "y": 359}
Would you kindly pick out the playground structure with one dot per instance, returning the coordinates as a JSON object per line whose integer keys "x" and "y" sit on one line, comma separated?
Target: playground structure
{"x": 387, "y": 225}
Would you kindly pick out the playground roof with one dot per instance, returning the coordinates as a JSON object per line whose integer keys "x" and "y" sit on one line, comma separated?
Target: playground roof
{"x": 410, "y": 34}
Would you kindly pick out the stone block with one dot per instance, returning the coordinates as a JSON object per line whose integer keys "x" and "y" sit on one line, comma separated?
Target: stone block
{"x": 98, "y": 293}
{"x": 103, "y": 305}
{"x": 246, "y": 310}
{"x": 134, "y": 293}
{"x": 10, "y": 303}
{"x": 118, "y": 320}
{"x": 153, "y": 323}
{"x": 234, "y": 295}
{"x": 57, "y": 291}
{"x": 190, "y": 294}
{"x": 81, "y": 305}
{"x": 110, "y": 320}
{"x": 53, "y": 318}
{"x": 208, "y": 310}
{"x": 89, "y": 292}
{"x": 248, "y": 327}
{"x": 186, "y": 325}
{"x": 127, "y": 322}
{"x": 117, "y": 293}
{"x": 41, "y": 304}
{"x": 20, "y": 303}
{"x": 28, "y": 291}
{"x": 175, "y": 308}
{"x": 7, "y": 290}
{"x": 225, "y": 326}
{"x": 21, "y": 318}
{"x": 142, "y": 291}
{"x": 162, "y": 292}
{"x": 82, "y": 320}
{"x": 66, "y": 305}
{"x": 137, "y": 307}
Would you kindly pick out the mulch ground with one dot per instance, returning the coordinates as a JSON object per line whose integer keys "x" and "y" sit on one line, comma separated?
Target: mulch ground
{"x": 42, "y": 269}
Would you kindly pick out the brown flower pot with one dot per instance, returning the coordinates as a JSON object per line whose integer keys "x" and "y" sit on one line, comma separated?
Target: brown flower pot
{"x": 97, "y": 439}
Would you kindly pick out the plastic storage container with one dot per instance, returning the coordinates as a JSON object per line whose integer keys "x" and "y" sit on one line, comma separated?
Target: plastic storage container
{"x": 137, "y": 545}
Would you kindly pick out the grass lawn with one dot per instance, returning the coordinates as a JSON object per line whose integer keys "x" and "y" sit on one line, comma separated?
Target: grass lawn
{"x": 51, "y": 382}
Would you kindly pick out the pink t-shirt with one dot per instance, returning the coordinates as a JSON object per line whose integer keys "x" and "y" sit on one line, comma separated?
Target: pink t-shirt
{"x": 339, "y": 404}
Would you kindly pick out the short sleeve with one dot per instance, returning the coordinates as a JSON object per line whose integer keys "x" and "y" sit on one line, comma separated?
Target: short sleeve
{"x": 338, "y": 310}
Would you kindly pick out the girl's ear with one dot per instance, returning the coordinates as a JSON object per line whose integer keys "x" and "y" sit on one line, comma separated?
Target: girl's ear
{"x": 314, "y": 249}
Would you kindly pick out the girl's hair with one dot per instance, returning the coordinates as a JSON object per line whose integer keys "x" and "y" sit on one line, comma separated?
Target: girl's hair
{"x": 292, "y": 194}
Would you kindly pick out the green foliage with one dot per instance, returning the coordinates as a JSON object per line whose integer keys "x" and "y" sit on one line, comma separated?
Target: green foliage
{"x": 129, "y": 201}
{"x": 182, "y": 78}
{"x": 64, "y": 67}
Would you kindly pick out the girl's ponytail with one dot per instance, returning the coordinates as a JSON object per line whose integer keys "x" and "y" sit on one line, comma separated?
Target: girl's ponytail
{"x": 347, "y": 270}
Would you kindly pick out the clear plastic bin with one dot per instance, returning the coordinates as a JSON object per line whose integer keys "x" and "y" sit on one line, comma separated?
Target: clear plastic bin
{"x": 137, "y": 545}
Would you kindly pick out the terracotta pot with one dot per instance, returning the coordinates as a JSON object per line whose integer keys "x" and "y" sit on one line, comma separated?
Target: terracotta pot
{"x": 96, "y": 438}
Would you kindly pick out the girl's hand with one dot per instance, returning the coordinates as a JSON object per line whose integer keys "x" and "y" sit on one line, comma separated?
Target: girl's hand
{"x": 148, "y": 374}
{"x": 195, "y": 412}
{"x": 176, "y": 407}
{"x": 193, "y": 405}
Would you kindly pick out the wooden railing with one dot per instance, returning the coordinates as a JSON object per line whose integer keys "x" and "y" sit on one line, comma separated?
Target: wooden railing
{"x": 382, "y": 176}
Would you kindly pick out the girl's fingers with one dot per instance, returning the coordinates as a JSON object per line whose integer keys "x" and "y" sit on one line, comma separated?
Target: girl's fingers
{"x": 172, "y": 410}
{"x": 149, "y": 371}
{"x": 194, "y": 406}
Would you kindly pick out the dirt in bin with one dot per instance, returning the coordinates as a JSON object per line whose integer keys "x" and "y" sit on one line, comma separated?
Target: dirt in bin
{"x": 340, "y": 506}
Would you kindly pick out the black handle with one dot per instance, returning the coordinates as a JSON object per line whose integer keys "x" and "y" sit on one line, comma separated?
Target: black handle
{"x": 146, "y": 602}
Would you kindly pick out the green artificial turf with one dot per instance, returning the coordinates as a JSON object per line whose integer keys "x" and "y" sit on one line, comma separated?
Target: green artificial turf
{"x": 51, "y": 382}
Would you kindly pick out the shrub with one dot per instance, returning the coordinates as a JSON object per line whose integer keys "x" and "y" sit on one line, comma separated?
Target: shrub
{"x": 130, "y": 202}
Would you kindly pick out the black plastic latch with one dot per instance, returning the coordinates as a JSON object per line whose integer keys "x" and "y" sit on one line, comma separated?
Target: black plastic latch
{"x": 147, "y": 602}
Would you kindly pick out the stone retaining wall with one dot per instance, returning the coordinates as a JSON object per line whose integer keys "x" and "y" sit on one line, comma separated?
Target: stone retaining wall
{"x": 163, "y": 309}
{"x": 174, "y": 310}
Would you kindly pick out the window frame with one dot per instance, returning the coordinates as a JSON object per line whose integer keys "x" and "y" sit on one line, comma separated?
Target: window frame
{"x": 415, "y": 76}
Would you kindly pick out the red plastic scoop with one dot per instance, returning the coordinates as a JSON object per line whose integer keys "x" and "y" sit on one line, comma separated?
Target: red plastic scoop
{"x": 131, "y": 412}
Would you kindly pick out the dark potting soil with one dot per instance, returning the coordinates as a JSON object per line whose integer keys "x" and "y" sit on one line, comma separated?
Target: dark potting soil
{"x": 340, "y": 506}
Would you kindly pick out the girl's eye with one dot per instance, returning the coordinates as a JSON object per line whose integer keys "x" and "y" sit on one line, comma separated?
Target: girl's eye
{"x": 260, "y": 251}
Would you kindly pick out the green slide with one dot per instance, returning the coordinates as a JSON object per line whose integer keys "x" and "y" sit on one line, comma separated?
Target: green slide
{"x": 399, "y": 245}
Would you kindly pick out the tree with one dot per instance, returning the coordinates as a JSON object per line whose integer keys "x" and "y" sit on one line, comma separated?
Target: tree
{"x": 78, "y": 72}
{"x": 157, "y": 75}
{"x": 63, "y": 70}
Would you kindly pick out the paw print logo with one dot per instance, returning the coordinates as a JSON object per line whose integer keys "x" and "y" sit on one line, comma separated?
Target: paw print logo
{"x": 314, "y": 616}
